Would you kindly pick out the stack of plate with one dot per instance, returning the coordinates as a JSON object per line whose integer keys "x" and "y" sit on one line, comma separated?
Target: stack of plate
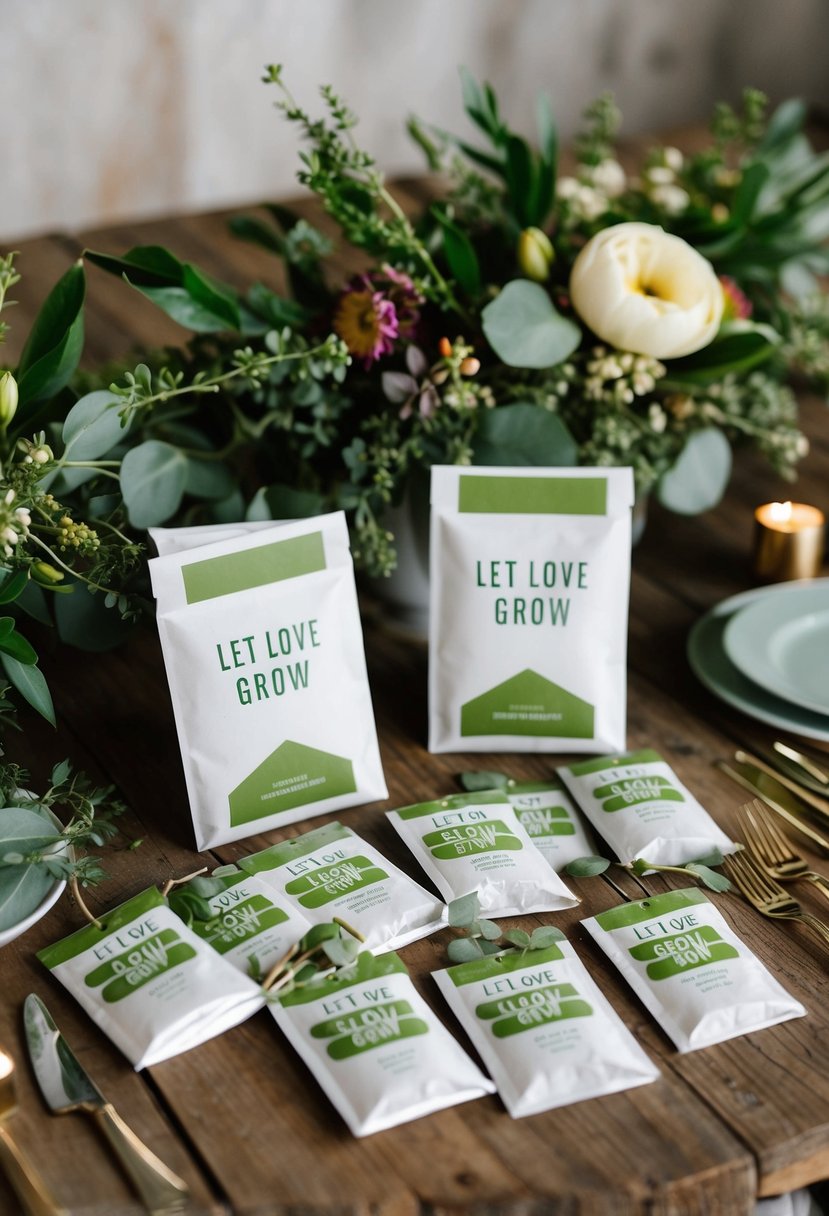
{"x": 766, "y": 652}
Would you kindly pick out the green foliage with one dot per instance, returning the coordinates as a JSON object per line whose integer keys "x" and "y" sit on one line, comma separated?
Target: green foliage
{"x": 522, "y": 434}
{"x": 53, "y": 348}
{"x": 485, "y": 780}
{"x": 698, "y": 479}
{"x": 481, "y": 937}
{"x": 701, "y": 869}
{"x": 524, "y": 329}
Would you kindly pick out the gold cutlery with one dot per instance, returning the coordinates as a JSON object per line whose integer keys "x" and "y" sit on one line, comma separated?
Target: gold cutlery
{"x": 812, "y": 770}
{"x": 30, "y": 1188}
{"x": 773, "y": 850}
{"x": 752, "y": 779}
{"x": 767, "y": 896}
{"x": 813, "y": 801}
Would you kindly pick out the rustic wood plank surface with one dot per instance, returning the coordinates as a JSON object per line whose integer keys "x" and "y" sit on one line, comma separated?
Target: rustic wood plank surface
{"x": 240, "y": 1118}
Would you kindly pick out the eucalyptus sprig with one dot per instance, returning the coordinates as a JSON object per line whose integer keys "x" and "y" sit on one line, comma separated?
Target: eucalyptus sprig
{"x": 481, "y": 937}
{"x": 701, "y": 870}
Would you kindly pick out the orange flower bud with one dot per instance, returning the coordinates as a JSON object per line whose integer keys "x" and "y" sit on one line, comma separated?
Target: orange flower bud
{"x": 445, "y": 347}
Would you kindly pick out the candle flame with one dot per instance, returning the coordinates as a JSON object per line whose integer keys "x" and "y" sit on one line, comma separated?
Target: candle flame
{"x": 780, "y": 512}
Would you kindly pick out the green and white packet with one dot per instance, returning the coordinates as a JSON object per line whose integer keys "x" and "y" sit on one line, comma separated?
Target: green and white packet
{"x": 474, "y": 842}
{"x": 263, "y": 648}
{"x": 529, "y": 581}
{"x": 376, "y": 1048}
{"x": 543, "y": 1029}
{"x": 689, "y": 969}
{"x": 548, "y": 814}
{"x": 639, "y": 806}
{"x": 153, "y": 987}
{"x": 250, "y": 927}
{"x": 331, "y": 871}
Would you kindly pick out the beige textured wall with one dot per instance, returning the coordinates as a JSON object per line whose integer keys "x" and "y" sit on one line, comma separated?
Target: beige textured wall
{"x": 120, "y": 108}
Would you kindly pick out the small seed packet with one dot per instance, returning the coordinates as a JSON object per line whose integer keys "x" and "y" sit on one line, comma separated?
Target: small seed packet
{"x": 529, "y": 578}
{"x": 263, "y": 648}
{"x": 375, "y": 1047}
{"x": 332, "y": 872}
{"x": 543, "y": 1029}
{"x": 179, "y": 540}
{"x": 249, "y": 926}
{"x": 689, "y": 969}
{"x": 549, "y": 816}
{"x": 153, "y": 986}
{"x": 639, "y": 806}
{"x": 474, "y": 842}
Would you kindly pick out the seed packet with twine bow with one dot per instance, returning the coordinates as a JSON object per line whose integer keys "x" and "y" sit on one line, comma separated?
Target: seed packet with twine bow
{"x": 263, "y": 647}
{"x": 543, "y": 1029}
{"x": 151, "y": 984}
{"x": 375, "y": 1047}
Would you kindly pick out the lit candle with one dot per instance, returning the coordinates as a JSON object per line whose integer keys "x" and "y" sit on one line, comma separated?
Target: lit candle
{"x": 788, "y": 541}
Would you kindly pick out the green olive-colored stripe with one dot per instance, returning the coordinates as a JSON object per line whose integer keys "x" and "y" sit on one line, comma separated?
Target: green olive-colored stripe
{"x": 289, "y": 850}
{"x": 532, "y": 495}
{"x": 648, "y": 909}
{"x": 502, "y": 964}
{"x": 646, "y": 756}
{"x": 455, "y": 802}
{"x": 367, "y": 967}
{"x": 89, "y": 936}
{"x": 240, "y": 571}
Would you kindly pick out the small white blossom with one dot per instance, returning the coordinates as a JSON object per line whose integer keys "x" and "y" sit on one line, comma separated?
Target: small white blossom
{"x": 672, "y": 199}
{"x": 657, "y": 418}
{"x": 673, "y": 158}
{"x": 609, "y": 177}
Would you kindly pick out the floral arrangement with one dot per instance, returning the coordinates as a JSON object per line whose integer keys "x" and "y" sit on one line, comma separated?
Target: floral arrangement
{"x": 523, "y": 318}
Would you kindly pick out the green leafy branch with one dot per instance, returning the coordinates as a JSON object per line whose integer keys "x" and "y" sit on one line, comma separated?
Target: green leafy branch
{"x": 700, "y": 870}
{"x": 480, "y": 937}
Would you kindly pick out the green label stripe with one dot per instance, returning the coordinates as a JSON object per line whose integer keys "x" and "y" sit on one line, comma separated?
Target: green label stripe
{"x": 290, "y": 850}
{"x": 354, "y": 1033}
{"x": 333, "y": 882}
{"x": 215, "y": 576}
{"x": 545, "y": 821}
{"x": 455, "y": 802}
{"x": 137, "y": 966}
{"x": 526, "y": 1010}
{"x": 586, "y": 767}
{"x": 367, "y": 967}
{"x": 649, "y": 909}
{"x": 469, "y": 839}
{"x": 90, "y": 935}
{"x": 680, "y": 952}
{"x": 502, "y": 964}
{"x": 634, "y": 791}
{"x": 532, "y": 495}
{"x": 234, "y": 926}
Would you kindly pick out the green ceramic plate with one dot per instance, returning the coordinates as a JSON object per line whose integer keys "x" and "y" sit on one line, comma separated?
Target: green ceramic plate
{"x": 712, "y": 666}
{"x": 781, "y": 642}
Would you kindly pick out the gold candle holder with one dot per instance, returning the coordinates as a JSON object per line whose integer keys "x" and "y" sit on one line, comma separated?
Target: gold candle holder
{"x": 788, "y": 541}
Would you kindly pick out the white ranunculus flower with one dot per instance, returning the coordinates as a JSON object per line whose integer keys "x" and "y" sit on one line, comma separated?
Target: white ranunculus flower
{"x": 642, "y": 289}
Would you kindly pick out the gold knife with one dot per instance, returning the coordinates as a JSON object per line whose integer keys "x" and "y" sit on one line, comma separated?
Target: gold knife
{"x": 815, "y": 803}
{"x": 753, "y": 779}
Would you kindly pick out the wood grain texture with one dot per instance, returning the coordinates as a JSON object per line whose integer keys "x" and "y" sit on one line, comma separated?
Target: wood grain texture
{"x": 240, "y": 1117}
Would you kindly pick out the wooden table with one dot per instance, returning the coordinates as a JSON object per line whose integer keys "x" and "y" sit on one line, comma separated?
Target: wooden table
{"x": 240, "y": 1118}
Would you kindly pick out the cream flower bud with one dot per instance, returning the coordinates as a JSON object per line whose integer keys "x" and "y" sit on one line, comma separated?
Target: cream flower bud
{"x": 8, "y": 398}
{"x": 641, "y": 289}
{"x": 535, "y": 254}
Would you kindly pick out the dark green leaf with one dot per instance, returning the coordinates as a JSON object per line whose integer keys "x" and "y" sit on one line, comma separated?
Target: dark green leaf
{"x": 545, "y": 936}
{"x": 186, "y": 293}
{"x": 747, "y": 193}
{"x": 84, "y": 621}
{"x": 55, "y": 342}
{"x": 484, "y": 781}
{"x": 153, "y": 478}
{"x": 786, "y": 121}
{"x": 710, "y": 878}
{"x": 60, "y": 772}
{"x": 146, "y": 265}
{"x": 33, "y": 603}
{"x": 250, "y": 228}
{"x": 523, "y": 434}
{"x": 464, "y": 950}
{"x": 524, "y": 329}
{"x": 464, "y": 910}
{"x": 208, "y": 479}
{"x": 318, "y": 934}
{"x": 521, "y": 180}
{"x": 13, "y": 586}
{"x": 738, "y": 346}
{"x": 697, "y": 481}
{"x": 285, "y": 502}
{"x": 31, "y": 684}
{"x": 460, "y": 255}
{"x": 587, "y": 867}
{"x": 15, "y": 646}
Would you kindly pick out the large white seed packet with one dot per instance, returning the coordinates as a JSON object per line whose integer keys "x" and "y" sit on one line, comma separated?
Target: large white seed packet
{"x": 263, "y": 647}
{"x": 551, "y": 819}
{"x": 689, "y": 969}
{"x": 153, "y": 986}
{"x": 250, "y": 927}
{"x": 376, "y": 1048}
{"x": 529, "y": 585}
{"x": 543, "y": 1029}
{"x": 331, "y": 871}
{"x": 474, "y": 842}
{"x": 639, "y": 806}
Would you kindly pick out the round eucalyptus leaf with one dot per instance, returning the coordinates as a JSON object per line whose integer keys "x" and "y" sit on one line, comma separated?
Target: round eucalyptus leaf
{"x": 698, "y": 479}
{"x": 464, "y": 950}
{"x": 153, "y": 479}
{"x": 22, "y": 888}
{"x": 93, "y": 426}
{"x": 524, "y": 329}
{"x": 484, "y": 780}
{"x": 587, "y": 867}
{"x": 523, "y": 434}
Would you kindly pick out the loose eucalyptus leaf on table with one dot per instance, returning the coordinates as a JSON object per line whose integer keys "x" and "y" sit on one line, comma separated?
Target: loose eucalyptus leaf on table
{"x": 587, "y": 867}
{"x": 483, "y": 780}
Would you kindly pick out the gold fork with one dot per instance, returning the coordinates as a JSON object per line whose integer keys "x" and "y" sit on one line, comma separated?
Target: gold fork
{"x": 32, "y": 1191}
{"x": 767, "y": 896}
{"x": 773, "y": 850}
